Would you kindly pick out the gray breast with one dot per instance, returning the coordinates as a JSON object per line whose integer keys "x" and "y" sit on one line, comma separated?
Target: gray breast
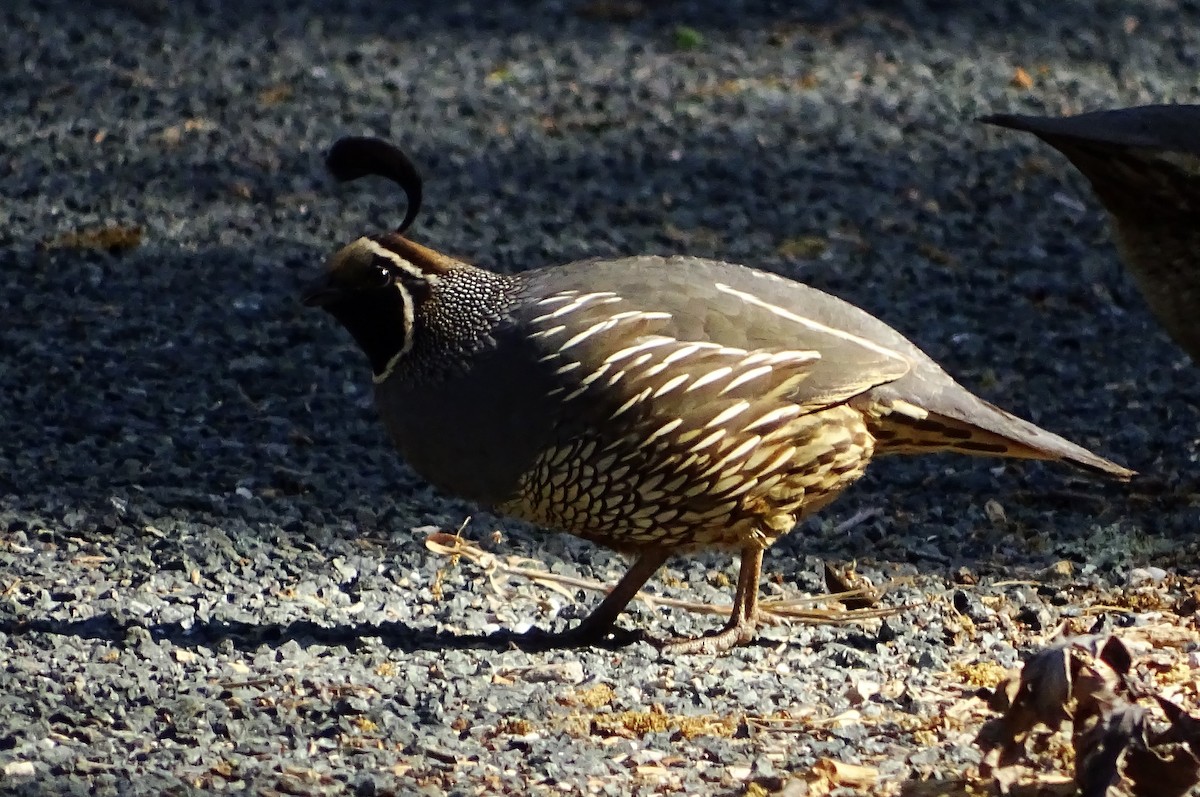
{"x": 477, "y": 423}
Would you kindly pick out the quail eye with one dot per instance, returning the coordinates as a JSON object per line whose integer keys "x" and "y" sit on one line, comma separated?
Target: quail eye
{"x": 384, "y": 271}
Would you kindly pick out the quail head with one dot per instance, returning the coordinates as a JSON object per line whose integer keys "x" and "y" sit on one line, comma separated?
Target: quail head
{"x": 1144, "y": 165}
{"x": 657, "y": 406}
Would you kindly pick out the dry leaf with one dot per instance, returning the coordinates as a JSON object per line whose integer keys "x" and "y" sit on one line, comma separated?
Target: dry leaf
{"x": 1088, "y": 682}
{"x": 839, "y": 581}
{"x": 274, "y": 95}
{"x": 798, "y": 609}
{"x": 1021, "y": 79}
{"x": 114, "y": 239}
{"x": 843, "y": 774}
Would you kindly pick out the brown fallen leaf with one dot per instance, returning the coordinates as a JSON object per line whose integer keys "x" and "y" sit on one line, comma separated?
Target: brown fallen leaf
{"x": 115, "y": 239}
{"x": 274, "y": 95}
{"x": 804, "y": 247}
{"x": 174, "y": 134}
{"x": 860, "y": 592}
{"x": 1021, "y": 79}
{"x": 1089, "y": 683}
{"x": 1168, "y": 765}
{"x": 842, "y": 773}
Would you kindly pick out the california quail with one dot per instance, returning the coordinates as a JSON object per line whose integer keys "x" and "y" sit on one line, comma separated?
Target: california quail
{"x": 1144, "y": 165}
{"x": 653, "y": 405}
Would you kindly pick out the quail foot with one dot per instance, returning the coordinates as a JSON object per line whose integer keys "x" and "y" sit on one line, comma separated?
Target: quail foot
{"x": 1144, "y": 165}
{"x": 654, "y": 405}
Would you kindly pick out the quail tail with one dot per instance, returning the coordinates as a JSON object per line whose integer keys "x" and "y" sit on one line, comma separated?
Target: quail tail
{"x": 1144, "y": 166}
{"x": 981, "y": 429}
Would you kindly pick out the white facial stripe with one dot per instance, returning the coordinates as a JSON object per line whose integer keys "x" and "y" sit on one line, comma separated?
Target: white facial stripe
{"x": 808, "y": 323}
{"x": 409, "y": 321}
{"x": 399, "y": 262}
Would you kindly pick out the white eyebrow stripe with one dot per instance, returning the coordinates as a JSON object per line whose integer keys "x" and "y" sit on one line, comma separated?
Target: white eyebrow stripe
{"x": 808, "y": 323}
{"x": 399, "y": 262}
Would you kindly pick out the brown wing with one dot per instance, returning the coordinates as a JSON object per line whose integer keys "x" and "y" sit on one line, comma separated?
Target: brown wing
{"x": 860, "y": 355}
{"x": 737, "y": 307}
{"x": 666, "y": 440}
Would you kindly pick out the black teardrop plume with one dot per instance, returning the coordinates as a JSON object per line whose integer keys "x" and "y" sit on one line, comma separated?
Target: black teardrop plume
{"x": 358, "y": 156}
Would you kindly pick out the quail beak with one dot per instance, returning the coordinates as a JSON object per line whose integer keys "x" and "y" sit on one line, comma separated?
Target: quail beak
{"x": 320, "y": 292}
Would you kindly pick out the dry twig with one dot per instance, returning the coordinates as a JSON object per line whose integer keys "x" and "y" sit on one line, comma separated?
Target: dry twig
{"x": 775, "y": 609}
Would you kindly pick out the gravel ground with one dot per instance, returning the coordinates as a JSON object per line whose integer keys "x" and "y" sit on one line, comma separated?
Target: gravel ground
{"x": 213, "y": 572}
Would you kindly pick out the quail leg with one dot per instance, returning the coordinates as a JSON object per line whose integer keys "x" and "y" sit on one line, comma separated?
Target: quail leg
{"x": 593, "y": 629}
{"x": 743, "y": 619}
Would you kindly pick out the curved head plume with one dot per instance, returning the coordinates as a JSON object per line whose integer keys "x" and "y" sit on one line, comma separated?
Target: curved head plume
{"x": 359, "y": 156}
{"x": 376, "y": 285}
